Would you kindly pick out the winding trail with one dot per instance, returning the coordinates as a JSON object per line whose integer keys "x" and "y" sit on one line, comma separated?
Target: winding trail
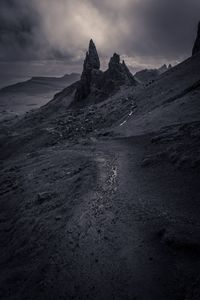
{"x": 120, "y": 223}
{"x": 101, "y": 232}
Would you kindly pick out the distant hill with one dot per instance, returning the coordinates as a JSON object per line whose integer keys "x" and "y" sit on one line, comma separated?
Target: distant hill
{"x": 38, "y": 85}
{"x": 149, "y": 75}
{"x": 33, "y": 93}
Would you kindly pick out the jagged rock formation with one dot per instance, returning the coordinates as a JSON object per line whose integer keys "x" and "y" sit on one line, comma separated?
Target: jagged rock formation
{"x": 119, "y": 72}
{"x": 196, "y": 47}
{"x": 115, "y": 76}
{"x": 96, "y": 85}
{"x": 92, "y": 59}
{"x": 90, "y": 72}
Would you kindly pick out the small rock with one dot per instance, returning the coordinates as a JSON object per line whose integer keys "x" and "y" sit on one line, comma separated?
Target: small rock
{"x": 41, "y": 197}
{"x": 58, "y": 218}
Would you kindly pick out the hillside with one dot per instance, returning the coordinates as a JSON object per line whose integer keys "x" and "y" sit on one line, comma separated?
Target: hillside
{"x": 171, "y": 99}
{"x": 100, "y": 189}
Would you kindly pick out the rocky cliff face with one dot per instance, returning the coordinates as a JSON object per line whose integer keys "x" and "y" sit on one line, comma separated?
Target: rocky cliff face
{"x": 196, "y": 47}
{"x": 95, "y": 85}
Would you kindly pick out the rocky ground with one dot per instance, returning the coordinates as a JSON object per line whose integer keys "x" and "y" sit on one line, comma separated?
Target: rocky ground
{"x": 91, "y": 222}
{"x": 101, "y": 201}
{"x": 178, "y": 145}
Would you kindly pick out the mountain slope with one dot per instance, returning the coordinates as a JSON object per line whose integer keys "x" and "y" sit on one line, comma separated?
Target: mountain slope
{"x": 100, "y": 199}
{"x": 172, "y": 99}
{"x": 132, "y": 110}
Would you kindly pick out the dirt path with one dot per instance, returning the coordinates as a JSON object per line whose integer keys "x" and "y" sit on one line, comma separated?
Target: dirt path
{"x": 140, "y": 225}
{"x": 103, "y": 229}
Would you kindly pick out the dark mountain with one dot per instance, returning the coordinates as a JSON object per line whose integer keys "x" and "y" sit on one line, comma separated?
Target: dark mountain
{"x": 196, "y": 47}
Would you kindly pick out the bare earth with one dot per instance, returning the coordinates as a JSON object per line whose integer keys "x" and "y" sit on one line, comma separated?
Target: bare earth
{"x": 103, "y": 202}
{"x": 91, "y": 222}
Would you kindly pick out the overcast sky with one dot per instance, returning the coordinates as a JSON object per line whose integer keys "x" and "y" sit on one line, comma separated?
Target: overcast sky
{"x": 47, "y": 36}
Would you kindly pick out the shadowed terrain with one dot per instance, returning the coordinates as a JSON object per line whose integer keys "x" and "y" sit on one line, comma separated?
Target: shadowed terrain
{"x": 100, "y": 189}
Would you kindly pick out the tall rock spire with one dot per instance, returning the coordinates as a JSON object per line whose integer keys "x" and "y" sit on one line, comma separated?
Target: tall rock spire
{"x": 196, "y": 47}
{"x": 92, "y": 59}
{"x": 95, "y": 85}
{"x": 90, "y": 68}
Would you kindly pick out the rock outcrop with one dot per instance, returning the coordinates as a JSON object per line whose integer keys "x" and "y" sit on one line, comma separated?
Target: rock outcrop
{"x": 196, "y": 47}
{"x": 92, "y": 59}
{"x": 116, "y": 76}
{"x": 90, "y": 72}
{"x": 95, "y": 85}
{"x": 119, "y": 72}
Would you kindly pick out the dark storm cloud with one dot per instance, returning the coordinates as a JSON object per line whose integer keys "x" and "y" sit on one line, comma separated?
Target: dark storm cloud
{"x": 144, "y": 31}
{"x": 18, "y": 20}
{"x": 21, "y": 32}
{"x": 166, "y": 27}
